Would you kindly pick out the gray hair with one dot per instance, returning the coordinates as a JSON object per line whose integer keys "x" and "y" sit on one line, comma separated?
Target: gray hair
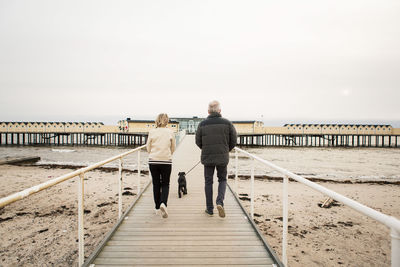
{"x": 214, "y": 107}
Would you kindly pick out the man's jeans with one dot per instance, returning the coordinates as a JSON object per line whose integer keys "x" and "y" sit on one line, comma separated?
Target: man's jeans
{"x": 209, "y": 174}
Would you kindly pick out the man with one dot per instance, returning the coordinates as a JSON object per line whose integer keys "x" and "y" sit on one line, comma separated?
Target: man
{"x": 215, "y": 136}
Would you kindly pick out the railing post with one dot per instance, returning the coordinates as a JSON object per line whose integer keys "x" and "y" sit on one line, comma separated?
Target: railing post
{"x": 236, "y": 172}
{"x": 80, "y": 218}
{"x": 120, "y": 188}
{"x": 395, "y": 247}
{"x": 285, "y": 219}
{"x": 138, "y": 171}
{"x": 252, "y": 190}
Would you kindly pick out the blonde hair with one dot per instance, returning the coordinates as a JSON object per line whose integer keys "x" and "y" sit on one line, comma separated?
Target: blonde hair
{"x": 162, "y": 120}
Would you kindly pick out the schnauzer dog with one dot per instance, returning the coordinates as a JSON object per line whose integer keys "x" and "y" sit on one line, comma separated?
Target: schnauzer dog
{"x": 182, "y": 184}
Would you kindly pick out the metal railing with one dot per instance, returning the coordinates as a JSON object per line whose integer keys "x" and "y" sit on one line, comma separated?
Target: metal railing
{"x": 81, "y": 173}
{"x": 179, "y": 136}
{"x": 391, "y": 222}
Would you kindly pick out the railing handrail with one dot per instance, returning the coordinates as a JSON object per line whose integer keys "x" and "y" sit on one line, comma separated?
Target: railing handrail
{"x": 34, "y": 189}
{"x": 81, "y": 173}
{"x": 390, "y": 221}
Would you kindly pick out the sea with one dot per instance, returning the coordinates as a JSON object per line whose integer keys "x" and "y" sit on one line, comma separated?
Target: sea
{"x": 333, "y": 164}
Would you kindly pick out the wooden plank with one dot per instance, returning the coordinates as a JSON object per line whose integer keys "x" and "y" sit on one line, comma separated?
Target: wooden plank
{"x": 180, "y": 233}
{"x": 183, "y": 238}
{"x": 183, "y": 248}
{"x": 218, "y": 221}
{"x": 185, "y": 243}
{"x": 188, "y": 211}
{"x": 182, "y": 215}
{"x": 188, "y": 237}
{"x": 183, "y": 254}
{"x": 192, "y": 225}
{"x": 150, "y": 208}
{"x": 192, "y": 265}
{"x": 186, "y": 261}
{"x": 186, "y": 229}
{"x": 198, "y": 208}
{"x": 192, "y": 212}
{"x": 198, "y": 203}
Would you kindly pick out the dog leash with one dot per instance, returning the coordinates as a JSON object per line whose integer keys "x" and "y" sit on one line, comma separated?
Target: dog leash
{"x": 193, "y": 167}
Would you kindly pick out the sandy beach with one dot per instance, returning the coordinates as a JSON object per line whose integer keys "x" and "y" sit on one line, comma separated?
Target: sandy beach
{"x": 336, "y": 236}
{"x": 45, "y": 233}
{"x": 41, "y": 230}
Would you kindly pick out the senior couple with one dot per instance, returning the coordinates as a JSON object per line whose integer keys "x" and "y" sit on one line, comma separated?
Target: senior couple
{"x": 215, "y": 136}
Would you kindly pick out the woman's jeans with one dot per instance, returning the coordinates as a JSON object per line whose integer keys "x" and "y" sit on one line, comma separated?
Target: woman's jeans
{"x": 160, "y": 174}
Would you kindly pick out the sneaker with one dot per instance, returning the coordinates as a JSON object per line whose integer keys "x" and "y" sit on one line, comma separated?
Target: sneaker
{"x": 221, "y": 211}
{"x": 210, "y": 213}
{"x": 157, "y": 211}
{"x": 164, "y": 212}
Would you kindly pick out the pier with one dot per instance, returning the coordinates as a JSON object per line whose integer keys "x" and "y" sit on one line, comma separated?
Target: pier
{"x": 260, "y": 140}
{"x": 250, "y": 133}
{"x": 188, "y": 237}
{"x": 318, "y": 140}
{"x": 71, "y": 139}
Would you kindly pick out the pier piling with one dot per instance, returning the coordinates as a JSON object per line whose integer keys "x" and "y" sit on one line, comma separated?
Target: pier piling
{"x": 71, "y": 139}
{"x": 318, "y": 140}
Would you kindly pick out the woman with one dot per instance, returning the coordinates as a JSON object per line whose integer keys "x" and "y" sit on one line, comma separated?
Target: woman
{"x": 161, "y": 146}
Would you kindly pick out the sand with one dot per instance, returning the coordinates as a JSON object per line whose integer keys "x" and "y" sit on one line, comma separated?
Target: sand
{"x": 42, "y": 229}
{"x": 336, "y": 236}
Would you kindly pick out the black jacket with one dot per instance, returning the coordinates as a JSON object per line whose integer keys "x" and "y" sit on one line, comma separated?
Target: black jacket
{"x": 215, "y": 136}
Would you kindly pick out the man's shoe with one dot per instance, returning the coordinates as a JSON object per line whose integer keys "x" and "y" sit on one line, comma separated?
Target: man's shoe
{"x": 157, "y": 211}
{"x": 221, "y": 211}
{"x": 209, "y": 213}
{"x": 164, "y": 211}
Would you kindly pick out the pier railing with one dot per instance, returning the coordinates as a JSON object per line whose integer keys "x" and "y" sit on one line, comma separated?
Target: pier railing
{"x": 391, "y": 222}
{"x": 179, "y": 136}
{"x": 81, "y": 173}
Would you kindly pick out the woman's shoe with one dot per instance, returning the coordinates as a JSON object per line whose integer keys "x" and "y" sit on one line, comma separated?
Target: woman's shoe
{"x": 164, "y": 211}
{"x": 221, "y": 211}
{"x": 209, "y": 213}
{"x": 157, "y": 211}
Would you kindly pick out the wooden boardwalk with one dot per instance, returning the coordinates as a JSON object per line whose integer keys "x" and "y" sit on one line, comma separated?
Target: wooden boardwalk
{"x": 188, "y": 237}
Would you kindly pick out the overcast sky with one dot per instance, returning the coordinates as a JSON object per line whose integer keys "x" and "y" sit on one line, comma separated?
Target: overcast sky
{"x": 282, "y": 61}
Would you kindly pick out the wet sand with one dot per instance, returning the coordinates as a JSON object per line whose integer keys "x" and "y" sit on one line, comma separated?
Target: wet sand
{"x": 335, "y": 236}
{"x": 41, "y": 230}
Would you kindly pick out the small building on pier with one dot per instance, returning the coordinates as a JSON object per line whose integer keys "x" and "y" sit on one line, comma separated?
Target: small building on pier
{"x": 294, "y": 128}
{"x": 4, "y": 126}
{"x": 17, "y": 127}
{"x": 383, "y": 129}
{"x": 55, "y": 127}
{"x": 190, "y": 124}
{"x": 74, "y": 127}
{"x": 92, "y": 127}
{"x": 361, "y": 129}
{"x": 312, "y": 129}
{"x": 144, "y": 126}
{"x": 248, "y": 127}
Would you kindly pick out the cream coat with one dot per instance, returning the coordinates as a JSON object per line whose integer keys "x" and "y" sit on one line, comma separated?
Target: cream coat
{"x": 161, "y": 145}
